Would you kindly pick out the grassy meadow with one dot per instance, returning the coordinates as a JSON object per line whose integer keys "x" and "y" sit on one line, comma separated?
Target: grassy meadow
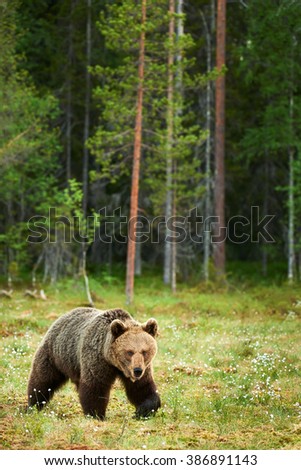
{"x": 228, "y": 369}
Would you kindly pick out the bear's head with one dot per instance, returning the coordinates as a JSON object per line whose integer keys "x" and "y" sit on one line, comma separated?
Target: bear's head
{"x": 133, "y": 347}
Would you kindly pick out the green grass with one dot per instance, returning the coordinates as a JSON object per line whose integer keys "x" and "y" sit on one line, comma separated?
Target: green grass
{"x": 228, "y": 370}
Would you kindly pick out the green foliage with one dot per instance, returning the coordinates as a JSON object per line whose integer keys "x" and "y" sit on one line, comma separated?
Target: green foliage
{"x": 42, "y": 92}
{"x": 28, "y": 151}
{"x": 112, "y": 143}
{"x": 271, "y": 66}
{"x": 70, "y": 204}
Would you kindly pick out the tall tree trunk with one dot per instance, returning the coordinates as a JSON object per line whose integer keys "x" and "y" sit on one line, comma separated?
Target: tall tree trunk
{"x": 178, "y": 112}
{"x": 299, "y": 263}
{"x": 131, "y": 250}
{"x": 207, "y": 237}
{"x": 69, "y": 131}
{"x": 169, "y": 160}
{"x": 138, "y": 261}
{"x": 219, "y": 189}
{"x": 291, "y": 183}
{"x": 86, "y": 279}
{"x": 213, "y": 17}
{"x": 265, "y": 212}
{"x": 291, "y": 204}
{"x": 69, "y": 98}
{"x": 87, "y": 110}
{"x": 174, "y": 243}
{"x": 291, "y": 216}
{"x": 86, "y": 151}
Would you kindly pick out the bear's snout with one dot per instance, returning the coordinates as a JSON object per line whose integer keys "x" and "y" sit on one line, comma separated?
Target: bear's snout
{"x": 138, "y": 372}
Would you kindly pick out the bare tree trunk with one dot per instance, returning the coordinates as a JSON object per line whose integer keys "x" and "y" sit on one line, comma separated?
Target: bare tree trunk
{"x": 178, "y": 112}
{"x": 265, "y": 211}
{"x": 291, "y": 206}
{"x": 291, "y": 183}
{"x": 10, "y": 223}
{"x": 131, "y": 250}
{"x": 35, "y": 267}
{"x": 110, "y": 258}
{"x": 85, "y": 276}
{"x": 174, "y": 243}
{"x": 138, "y": 264}
{"x": 169, "y": 160}
{"x": 86, "y": 151}
{"x": 207, "y": 237}
{"x": 291, "y": 223}
{"x": 69, "y": 132}
{"x": 87, "y": 111}
{"x": 219, "y": 189}
{"x": 213, "y": 14}
{"x": 69, "y": 99}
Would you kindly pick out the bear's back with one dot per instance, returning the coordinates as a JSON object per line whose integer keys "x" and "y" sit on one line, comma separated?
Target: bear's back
{"x": 115, "y": 314}
{"x": 82, "y": 316}
{"x": 76, "y": 324}
{"x": 77, "y": 330}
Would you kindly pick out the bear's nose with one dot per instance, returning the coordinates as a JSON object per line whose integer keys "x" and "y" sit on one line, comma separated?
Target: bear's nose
{"x": 137, "y": 371}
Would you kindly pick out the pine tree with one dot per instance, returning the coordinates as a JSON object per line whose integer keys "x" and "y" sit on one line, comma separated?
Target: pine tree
{"x": 136, "y": 163}
{"x": 219, "y": 184}
{"x": 271, "y": 67}
{"x": 29, "y": 141}
{"x": 113, "y": 140}
{"x": 170, "y": 196}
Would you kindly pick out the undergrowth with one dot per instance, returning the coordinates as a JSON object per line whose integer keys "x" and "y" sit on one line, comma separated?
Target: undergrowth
{"x": 228, "y": 370}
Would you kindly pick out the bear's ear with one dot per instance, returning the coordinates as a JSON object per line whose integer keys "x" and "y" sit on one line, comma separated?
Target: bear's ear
{"x": 151, "y": 327}
{"x": 117, "y": 328}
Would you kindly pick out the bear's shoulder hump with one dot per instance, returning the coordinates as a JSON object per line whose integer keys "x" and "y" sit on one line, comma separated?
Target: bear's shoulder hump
{"x": 116, "y": 314}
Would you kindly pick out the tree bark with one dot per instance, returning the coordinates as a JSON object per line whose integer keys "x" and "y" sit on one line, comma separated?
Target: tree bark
{"x": 207, "y": 243}
{"x": 87, "y": 111}
{"x": 69, "y": 132}
{"x": 169, "y": 160}
{"x": 291, "y": 223}
{"x": 291, "y": 205}
{"x": 219, "y": 189}
{"x": 178, "y": 112}
{"x": 264, "y": 261}
{"x": 138, "y": 261}
{"x": 291, "y": 183}
{"x": 85, "y": 276}
{"x": 69, "y": 98}
{"x": 131, "y": 249}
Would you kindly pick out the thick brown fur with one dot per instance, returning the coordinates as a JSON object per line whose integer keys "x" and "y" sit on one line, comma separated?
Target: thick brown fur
{"x": 92, "y": 348}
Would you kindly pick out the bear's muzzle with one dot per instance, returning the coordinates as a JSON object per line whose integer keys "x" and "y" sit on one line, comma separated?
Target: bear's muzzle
{"x": 138, "y": 372}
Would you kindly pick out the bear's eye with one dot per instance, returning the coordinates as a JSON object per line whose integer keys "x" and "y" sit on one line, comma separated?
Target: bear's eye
{"x": 144, "y": 353}
{"x": 130, "y": 353}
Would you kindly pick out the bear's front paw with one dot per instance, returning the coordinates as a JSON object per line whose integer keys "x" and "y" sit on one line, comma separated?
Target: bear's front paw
{"x": 148, "y": 407}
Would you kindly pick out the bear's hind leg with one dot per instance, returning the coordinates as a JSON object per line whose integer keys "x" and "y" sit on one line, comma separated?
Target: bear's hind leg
{"x": 44, "y": 380}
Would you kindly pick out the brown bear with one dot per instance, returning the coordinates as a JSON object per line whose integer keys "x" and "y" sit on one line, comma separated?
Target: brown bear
{"x": 93, "y": 348}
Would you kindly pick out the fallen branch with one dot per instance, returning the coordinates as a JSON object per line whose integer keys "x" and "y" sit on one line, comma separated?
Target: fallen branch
{"x": 34, "y": 294}
{"x": 31, "y": 293}
{"x": 6, "y": 293}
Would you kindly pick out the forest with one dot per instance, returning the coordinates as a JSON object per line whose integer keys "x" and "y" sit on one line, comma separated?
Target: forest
{"x": 150, "y": 160}
{"x": 218, "y": 175}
